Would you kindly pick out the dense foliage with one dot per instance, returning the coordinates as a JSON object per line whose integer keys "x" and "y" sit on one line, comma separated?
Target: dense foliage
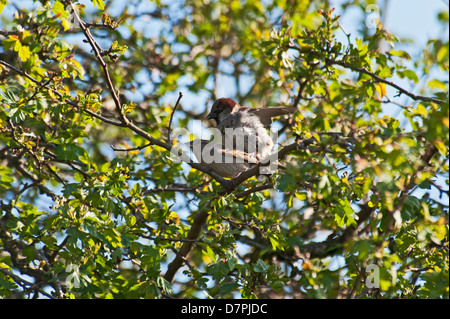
{"x": 360, "y": 212}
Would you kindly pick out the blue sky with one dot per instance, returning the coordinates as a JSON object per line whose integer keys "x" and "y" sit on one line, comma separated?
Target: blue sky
{"x": 413, "y": 19}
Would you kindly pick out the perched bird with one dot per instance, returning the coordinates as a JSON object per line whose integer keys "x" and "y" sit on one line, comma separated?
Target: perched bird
{"x": 226, "y": 163}
{"x": 243, "y": 128}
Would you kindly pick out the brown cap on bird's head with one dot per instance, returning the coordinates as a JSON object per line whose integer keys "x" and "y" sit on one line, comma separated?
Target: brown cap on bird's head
{"x": 221, "y": 108}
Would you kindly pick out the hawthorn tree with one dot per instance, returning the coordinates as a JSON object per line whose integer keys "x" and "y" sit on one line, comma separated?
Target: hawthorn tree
{"x": 93, "y": 203}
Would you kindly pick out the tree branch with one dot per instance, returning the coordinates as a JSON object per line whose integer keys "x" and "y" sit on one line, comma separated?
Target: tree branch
{"x": 346, "y": 65}
{"x": 68, "y": 101}
{"x": 281, "y": 154}
{"x": 196, "y": 227}
{"x": 392, "y": 84}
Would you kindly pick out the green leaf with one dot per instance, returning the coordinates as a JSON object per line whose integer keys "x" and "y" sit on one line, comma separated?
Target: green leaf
{"x": 165, "y": 286}
{"x": 18, "y": 116}
{"x": 70, "y": 189}
{"x": 260, "y": 266}
{"x": 362, "y": 47}
{"x": 99, "y": 4}
{"x": 410, "y": 74}
{"x": 276, "y": 241}
{"x": 421, "y": 110}
{"x": 58, "y": 9}
{"x": 29, "y": 252}
{"x": 70, "y": 152}
{"x": 6, "y": 177}
{"x": 401, "y": 54}
{"x": 10, "y": 42}
{"x": 210, "y": 253}
{"x": 150, "y": 260}
{"x": 2, "y": 5}
{"x": 278, "y": 285}
{"x": 228, "y": 288}
{"x": 9, "y": 97}
{"x": 218, "y": 271}
{"x": 113, "y": 237}
{"x": 436, "y": 84}
{"x": 385, "y": 72}
{"x": 344, "y": 214}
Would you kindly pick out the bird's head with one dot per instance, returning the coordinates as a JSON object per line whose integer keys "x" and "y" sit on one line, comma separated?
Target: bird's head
{"x": 221, "y": 109}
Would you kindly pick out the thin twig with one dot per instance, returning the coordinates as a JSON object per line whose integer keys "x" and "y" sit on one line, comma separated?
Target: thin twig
{"x": 130, "y": 149}
{"x": 40, "y": 88}
{"x": 98, "y": 55}
{"x": 181, "y": 240}
{"x": 169, "y": 131}
{"x": 254, "y": 190}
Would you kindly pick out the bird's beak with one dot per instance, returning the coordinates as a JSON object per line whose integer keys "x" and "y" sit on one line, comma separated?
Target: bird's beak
{"x": 211, "y": 116}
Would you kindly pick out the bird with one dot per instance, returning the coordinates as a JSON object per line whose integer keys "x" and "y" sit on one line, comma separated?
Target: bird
{"x": 243, "y": 128}
{"x": 226, "y": 163}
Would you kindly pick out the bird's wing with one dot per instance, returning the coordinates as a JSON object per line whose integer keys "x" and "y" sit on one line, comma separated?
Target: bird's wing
{"x": 240, "y": 155}
{"x": 265, "y": 114}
